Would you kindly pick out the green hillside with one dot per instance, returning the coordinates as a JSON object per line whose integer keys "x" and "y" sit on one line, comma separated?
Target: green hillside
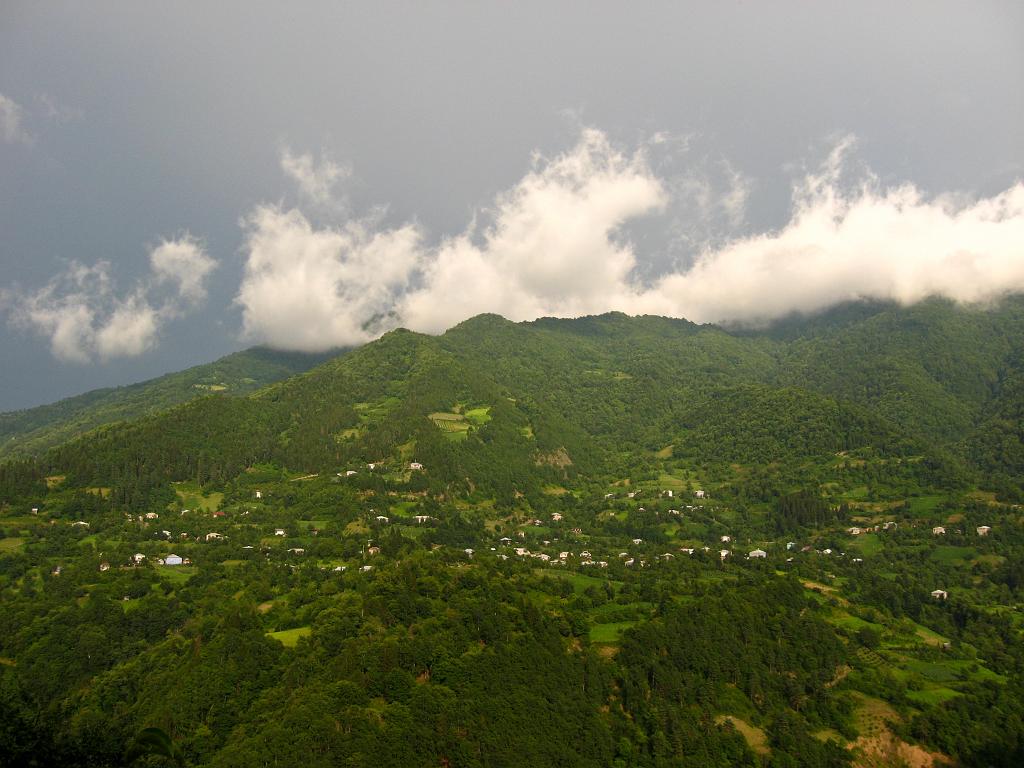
{"x": 32, "y": 431}
{"x": 606, "y": 541}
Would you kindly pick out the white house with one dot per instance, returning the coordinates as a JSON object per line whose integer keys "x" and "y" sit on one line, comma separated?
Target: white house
{"x": 427, "y": 518}
{"x": 366, "y": 568}
{"x": 152, "y": 515}
{"x": 80, "y": 524}
{"x": 938, "y": 530}
{"x": 138, "y": 557}
{"x": 415, "y": 465}
{"x": 940, "y": 594}
{"x": 371, "y": 466}
{"x": 855, "y": 531}
{"x": 890, "y": 524}
{"x": 173, "y": 560}
{"x": 726, "y": 539}
{"x": 723, "y": 553}
{"x": 638, "y": 541}
{"x": 556, "y": 516}
{"x": 563, "y": 555}
{"x": 469, "y": 552}
{"x": 35, "y": 510}
{"x": 699, "y": 494}
{"x": 757, "y": 553}
{"x": 790, "y": 545}
{"x": 983, "y": 530}
{"x": 687, "y": 550}
{"x": 104, "y": 566}
{"x": 297, "y": 551}
{"x": 382, "y": 519}
{"x": 213, "y": 536}
{"x": 259, "y": 494}
{"x": 585, "y": 553}
{"x": 668, "y": 493}
{"x": 280, "y": 532}
{"x": 350, "y": 472}
{"x": 373, "y": 551}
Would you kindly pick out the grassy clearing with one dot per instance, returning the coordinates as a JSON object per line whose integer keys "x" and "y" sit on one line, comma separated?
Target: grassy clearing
{"x": 932, "y": 696}
{"x": 951, "y": 555}
{"x": 479, "y": 416}
{"x": 609, "y": 633}
{"x": 579, "y": 581}
{"x": 289, "y": 638}
{"x": 176, "y": 574}
{"x": 13, "y": 544}
{"x": 192, "y": 497}
{"x": 868, "y": 544}
{"x": 755, "y": 737}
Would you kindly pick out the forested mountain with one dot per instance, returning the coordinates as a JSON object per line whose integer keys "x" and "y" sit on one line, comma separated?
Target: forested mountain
{"x": 589, "y": 542}
{"x": 32, "y": 431}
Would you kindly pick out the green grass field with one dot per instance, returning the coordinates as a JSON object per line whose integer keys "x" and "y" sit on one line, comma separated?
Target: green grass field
{"x": 950, "y": 555}
{"x": 12, "y": 544}
{"x": 176, "y": 574}
{"x": 289, "y": 638}
{"x": 609, "y": 633}
{"x": 868, "y": 544}
{"x": 192, "y": 497}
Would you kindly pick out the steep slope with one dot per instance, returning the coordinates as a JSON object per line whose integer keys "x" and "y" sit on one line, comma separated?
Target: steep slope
{"x": 32, "y": 431}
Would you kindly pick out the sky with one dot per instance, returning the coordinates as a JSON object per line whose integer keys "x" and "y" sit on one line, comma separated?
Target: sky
{"x": 180, "y": 181}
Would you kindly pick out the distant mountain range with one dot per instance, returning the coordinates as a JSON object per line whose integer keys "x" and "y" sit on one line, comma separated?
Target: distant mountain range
{"x": 506, "y": 407}
{"x": 33, "y": 430}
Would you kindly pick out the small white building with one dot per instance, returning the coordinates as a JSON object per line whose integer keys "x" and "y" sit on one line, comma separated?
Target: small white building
{"x": 556, "y": 516}
{"x": 723, "y": 553}
{"x": 983, "y": 530}
{"x": 938, "y": 530}
{"x": 757, "y": 553}
{"x": 638, "y": 541}
{"x": 350, "y": 472}
{"x": 415, "y": 465}
{"x": 79, "y": 524}
{"x": 152, "y": 515}
{"x": 365, "y": 568}
{"x": 668, "y": 493}
{"x": 854, "y": 531}
{"x": 790, "y": 545}
{"x": 297, "y": 551}
{"x": 280, "y": 532}
{"x": 213, "y": 536}
{"x": 382, "y": 519}
{"x": 259, "y": 494}
{"x": 373, "y": 551}
{"x": 426, "y": 518}
{"x": 173, "y": 560}
{"x": 726, "y": 539}
{"x": 940, "y": 594}
{"x": 699, "y": 494}
{"x": 138, "y": 557}
{"x": 104, "y": 566}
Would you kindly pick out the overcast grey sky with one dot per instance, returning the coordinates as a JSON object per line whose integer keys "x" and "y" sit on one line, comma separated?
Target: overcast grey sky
{"x": 178, "y": 181}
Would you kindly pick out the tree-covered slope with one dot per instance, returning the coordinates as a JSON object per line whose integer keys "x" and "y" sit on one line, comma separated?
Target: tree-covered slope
{"x": 32, "y": 431}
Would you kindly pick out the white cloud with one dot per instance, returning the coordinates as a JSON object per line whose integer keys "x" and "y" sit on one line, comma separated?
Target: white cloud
{"x": 12, "y": 122}
{"x": 316, "y": 181}
{"x": 554, "y": 245}
{"x": 85, "y": 318}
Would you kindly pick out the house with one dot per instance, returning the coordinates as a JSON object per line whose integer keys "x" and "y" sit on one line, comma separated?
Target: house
{"x": 415, "y": 465}
{"x": 469, "y": 552}
{"x": 79, "y": 524}
{"x": 138, "y": 557}
{"x": 366, "y": 568}
{"x": 668, "y": 494}
{"x": 687, "y": 550}
{"x": 757, "y": 553}
{"x": 544, "y": 558}
{"x": 938, "y": 530}
{"x": 723, "y": 553}
{"x": 382, "y": 519}
{"x": 888, "y": 525}
{"x": 699, "y": 494}
{"x": 790, "y": 545}
{"x": 556, "y": 516}
{"x": 983, "y": 530}
{"x": 827, "y": 551}
{"x": 726, "y": 539}
{"x": 675, "y": 512}
{"x": 427, "y": 518}
{"x": 371, "y": 467}
{"x": 152, "y": 515}
{"x": 56, "y": 570}
{"x": 563, "y": 555}
{"x": 350, "y": 472}
{"x": 585, "y": 553}
{"x": 297, "y": 551}
{"x": 173, "y": 560}
{"x": 35, "y": 510}
{"x": 629, "y": 562}
{"x": 631, "y": 494}
{"x": 609, "y": 495}
{"x": 522, "y": 551}
{"x": 104, "y": 566}
{"x": 219, "y": 513}
{"x": 280, "y": 532}
{"x": 940, "y": 594}
{"x": 373, "y": 551}
{"x": 259, "y": 494}
{"x": 855, "y": 531}
{"x": 638, "y": 541}
{"x": 668, "y": 556}
{"x": 213, "y": 535}
{"x": 505, "y": 540}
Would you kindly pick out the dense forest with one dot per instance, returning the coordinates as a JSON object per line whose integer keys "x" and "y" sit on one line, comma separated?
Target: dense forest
{"x": 602, "y": 541}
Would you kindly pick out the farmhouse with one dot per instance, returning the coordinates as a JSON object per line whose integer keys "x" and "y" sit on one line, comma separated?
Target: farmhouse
{"x": 938, "y": 530}
{"x": 427, "y": 518}
{"x": 940, "y": 594}
{"x": 280, "y": 532}
{"x": 415, "y": 465}
{"x": 373, "y": 551}
{"x": 173, "y": 560}
{"x": 556, "y": 516}
{"x": 213, "y": 536}
{"x": 757, "y": 553}
{"x": 138, "y": 557}
{"x": 723, "y": 553}
{"x": 382, "y": 519}
{"x": 699, "y": 494}
{"x": 259, "y": 494}
{"x": 855, "y": 531}
{"x": 726, "y": 539}
{"x": 983, "y": 530}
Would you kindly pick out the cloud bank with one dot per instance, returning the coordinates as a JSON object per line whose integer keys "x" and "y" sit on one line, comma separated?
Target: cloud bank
{"x": 85, "y": 318}
{"x": 553, "y": 245}
{"x": 12, "y": 122}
